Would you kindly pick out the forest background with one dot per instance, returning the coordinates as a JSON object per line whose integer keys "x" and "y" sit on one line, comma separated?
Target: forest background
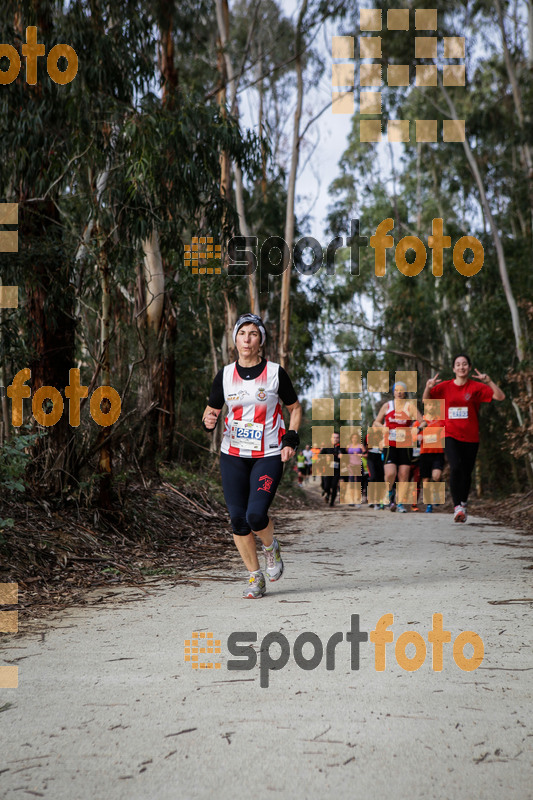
{"x": 116, "y": 172}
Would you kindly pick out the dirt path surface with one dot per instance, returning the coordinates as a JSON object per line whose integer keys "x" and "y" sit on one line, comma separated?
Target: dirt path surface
{"x": 108, "y": 708}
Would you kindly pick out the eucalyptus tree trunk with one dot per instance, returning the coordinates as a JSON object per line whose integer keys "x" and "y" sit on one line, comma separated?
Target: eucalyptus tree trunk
{"x": 261, "y": 91}
{"x": 496, "y": 238}
{"x": 229, "y": 79}
{"x": 94, "y": 230}
{"x": 225, "y": 161}
{"x": 151, "y": 303}
{"x": 530, "y": 35}
{"x": 523, "y": 122}
{"x": 216, "y": 438}
{"x": 6, "y": 422}
{"x": 52, "y": 333}
{"x": 159, "y": 317}
{"x": 154, "y": 278}
{"x": 229, "y": 353}
{"x": 225, "y": 68}
{"x": 105, "y": 460}
{"x": 51, "y": 337}
{"x": 284, "y": 321}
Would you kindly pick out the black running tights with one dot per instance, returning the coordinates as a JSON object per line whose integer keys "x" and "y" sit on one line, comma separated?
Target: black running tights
{"x": 461, "y": 457}
{"x": 249, "y": 486}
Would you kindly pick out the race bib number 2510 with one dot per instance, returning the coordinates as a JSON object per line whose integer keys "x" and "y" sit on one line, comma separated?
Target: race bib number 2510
{"x": 247, "y": 435}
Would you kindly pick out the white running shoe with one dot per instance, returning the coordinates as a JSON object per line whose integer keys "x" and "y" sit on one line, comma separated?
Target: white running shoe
{"x": 459, "y": 514}
{"x": 256, "y": 586}
{"x": 274, "y": 564}
{"x": 465, "y": 511}
{"x": 402, "y": 509}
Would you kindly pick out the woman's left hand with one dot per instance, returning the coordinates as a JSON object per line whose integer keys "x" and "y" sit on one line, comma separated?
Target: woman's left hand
{"x": 287, "y": 453}
{"x": 483, "y": 377}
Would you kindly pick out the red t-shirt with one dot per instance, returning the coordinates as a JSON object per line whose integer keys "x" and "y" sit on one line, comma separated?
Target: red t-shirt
{"x": 462, "y": 407}
{"x": 432, "y": 437}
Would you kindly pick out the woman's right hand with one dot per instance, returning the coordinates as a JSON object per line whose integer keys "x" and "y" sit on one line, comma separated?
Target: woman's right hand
{"x": 431, "y": 382}
{"x": 210, "y": 420}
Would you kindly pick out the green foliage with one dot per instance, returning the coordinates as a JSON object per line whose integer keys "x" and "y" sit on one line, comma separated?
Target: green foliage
{"x": 15, "y": 456}
{"x": 204, "y": 480}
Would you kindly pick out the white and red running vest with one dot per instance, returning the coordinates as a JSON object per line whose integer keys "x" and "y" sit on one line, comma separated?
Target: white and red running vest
{"x": 252, "y": 401}
{"x": 396, "y": 419}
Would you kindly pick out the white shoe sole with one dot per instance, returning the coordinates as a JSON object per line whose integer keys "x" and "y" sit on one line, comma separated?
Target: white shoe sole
{"x": 277, "y": 576}
{"x": 253, "y": 596}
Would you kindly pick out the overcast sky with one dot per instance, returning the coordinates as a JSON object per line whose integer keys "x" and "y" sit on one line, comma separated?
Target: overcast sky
{"x": 324, "y": 144}
{"x": 327, "y": 138}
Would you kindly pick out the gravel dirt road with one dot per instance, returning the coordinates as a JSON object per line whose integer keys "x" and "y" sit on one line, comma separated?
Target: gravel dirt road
{"x": 108, "y": 708}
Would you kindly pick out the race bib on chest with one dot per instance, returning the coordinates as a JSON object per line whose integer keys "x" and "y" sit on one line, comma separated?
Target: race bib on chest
{"x": 430, "y": 438}
{"x": 458, "y": 412}
{"x": 247, "y": 435}
{"x": 398, "y": 435}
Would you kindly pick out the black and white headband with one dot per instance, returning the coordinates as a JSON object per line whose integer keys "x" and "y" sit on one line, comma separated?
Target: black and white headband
{"x": 246, "y": 319}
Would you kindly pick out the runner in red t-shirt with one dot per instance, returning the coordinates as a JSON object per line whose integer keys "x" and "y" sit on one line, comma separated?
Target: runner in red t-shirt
{"x": 462, "y": 399}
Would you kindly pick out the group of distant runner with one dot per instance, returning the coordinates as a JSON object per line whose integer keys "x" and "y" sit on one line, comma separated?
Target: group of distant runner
{"x": 411, "y": 449}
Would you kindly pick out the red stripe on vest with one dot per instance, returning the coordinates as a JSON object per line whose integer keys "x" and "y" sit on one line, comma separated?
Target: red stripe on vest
{"x": 281, "y": 430}
{"x": 237, "y": 414}
{"x": 260, "y": 416}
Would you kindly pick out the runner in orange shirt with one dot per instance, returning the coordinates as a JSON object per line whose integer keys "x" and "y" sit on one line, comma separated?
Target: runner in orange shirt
{"x": 432, "y": 445}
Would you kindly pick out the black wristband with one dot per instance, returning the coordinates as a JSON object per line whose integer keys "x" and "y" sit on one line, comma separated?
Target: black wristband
{"x": 290, "y": 439}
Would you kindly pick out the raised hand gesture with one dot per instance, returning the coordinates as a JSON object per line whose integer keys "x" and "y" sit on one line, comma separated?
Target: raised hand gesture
{"x": 431, "y": 382}
{"x": 482, "y": 376}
